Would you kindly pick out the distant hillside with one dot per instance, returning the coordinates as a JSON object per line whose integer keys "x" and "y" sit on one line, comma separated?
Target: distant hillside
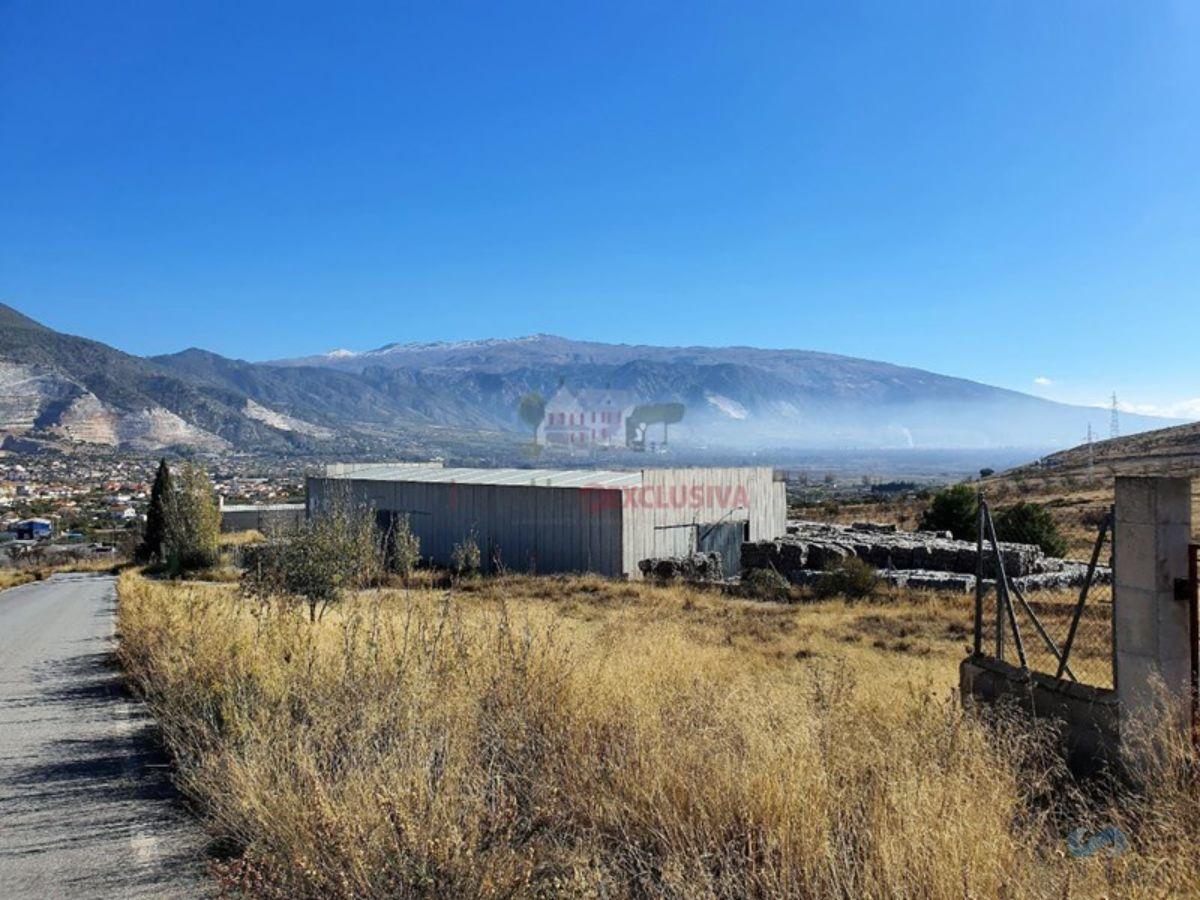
{"x": 80, "y": 390}
{"x": 1167, "y": 451}
{"x": 1076, "y": 485}
{"x": 744, "y": 395}
{"x": 59, "y": 388}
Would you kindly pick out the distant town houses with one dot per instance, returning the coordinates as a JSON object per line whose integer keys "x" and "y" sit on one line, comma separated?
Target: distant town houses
{"x": 585, "y": 418}
{"x": 98, "y": 500}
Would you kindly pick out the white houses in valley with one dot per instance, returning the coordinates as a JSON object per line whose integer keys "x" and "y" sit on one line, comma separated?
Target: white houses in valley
{"x": 585, "y": 417}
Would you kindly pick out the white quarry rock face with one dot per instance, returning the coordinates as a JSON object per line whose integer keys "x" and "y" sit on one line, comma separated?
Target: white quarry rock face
{"x": 731, "y": 408}
{"x": 284, "y": 422}
{"x": 156, "y": 427}
{"x": 32, "y": 396}
{"x": 25, "y": 391}
{"x": 88, "y": 421}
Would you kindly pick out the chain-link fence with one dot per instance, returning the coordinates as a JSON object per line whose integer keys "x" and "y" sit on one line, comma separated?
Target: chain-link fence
{"x": 1045, "y": 602}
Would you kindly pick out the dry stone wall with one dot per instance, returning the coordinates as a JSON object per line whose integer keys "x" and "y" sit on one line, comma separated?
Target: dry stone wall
{"x": 926, "y": 560}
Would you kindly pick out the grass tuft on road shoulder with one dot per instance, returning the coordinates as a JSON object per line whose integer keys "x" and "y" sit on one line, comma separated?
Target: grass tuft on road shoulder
{"x": 16, "y": 577}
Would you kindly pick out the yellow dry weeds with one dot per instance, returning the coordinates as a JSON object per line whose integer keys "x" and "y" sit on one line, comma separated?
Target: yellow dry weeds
{"x": 545, "y": 737}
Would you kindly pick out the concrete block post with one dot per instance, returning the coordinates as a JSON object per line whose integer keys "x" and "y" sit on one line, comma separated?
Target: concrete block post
{"x": 1151, "y": 633}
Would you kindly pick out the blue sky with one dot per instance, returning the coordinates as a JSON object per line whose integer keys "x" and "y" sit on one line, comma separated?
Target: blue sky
{"x": 1003, "y": 191}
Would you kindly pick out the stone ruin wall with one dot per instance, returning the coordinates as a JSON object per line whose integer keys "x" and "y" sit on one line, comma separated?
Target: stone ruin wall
{"x": 913, "y": 559}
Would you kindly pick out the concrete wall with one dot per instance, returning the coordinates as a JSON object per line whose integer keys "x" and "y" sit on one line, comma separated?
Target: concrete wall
{"x": 1151, "y": 637}
{"x": 542, "y": 529}
{"x": 1088, "y": 715}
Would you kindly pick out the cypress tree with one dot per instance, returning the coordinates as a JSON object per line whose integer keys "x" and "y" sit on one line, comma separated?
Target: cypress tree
{"x": 151, "y": 548}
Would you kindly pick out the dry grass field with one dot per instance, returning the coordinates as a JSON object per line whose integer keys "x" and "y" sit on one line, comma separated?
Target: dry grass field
{"x": 14, "y": 577}
{"x": 547, "y": 737}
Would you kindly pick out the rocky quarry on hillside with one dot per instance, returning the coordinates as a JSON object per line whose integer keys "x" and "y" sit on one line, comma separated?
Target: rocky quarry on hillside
{"x": 926, "y": 560}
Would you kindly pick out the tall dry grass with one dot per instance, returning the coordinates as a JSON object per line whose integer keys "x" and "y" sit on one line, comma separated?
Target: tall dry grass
{"x": 550, "y": 737}
{"x": 25, "y": 571}
{"x": 15, "y": 577}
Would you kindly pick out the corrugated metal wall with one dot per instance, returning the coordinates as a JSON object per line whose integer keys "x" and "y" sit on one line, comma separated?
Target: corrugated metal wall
{"x": 664, "y": 524}
{"x": 528, "y": 528}
{"x": 552, "y": 529}
{"x": 724, "y": 538}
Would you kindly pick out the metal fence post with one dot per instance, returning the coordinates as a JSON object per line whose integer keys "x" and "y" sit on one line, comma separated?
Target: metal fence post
{"x": 979, "y": 576}
{"x": 1002, "y": 597}
{"x": 1194, "y": 628}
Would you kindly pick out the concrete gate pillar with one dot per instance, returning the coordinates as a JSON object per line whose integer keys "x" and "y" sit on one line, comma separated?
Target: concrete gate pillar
{"x": 1151, "y": 634}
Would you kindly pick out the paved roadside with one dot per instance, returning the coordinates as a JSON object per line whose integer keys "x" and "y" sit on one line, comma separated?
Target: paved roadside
{"x": 87, "y": 808}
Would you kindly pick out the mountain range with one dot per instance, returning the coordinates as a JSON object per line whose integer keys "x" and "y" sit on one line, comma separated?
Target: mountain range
{"x": 65, "y": 390}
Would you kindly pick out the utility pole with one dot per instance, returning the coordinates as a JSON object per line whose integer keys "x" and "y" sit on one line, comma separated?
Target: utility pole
{"x": 1114, "y": 425}
{"x": 1091, "y": 454}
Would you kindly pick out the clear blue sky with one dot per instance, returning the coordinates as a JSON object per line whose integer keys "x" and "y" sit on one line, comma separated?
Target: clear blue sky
{"x": 1003, "y": 191}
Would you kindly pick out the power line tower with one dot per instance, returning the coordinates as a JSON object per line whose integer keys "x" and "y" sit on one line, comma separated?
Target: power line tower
{"x": 1091, "y": 436}
{"x": 1114, "y": 423}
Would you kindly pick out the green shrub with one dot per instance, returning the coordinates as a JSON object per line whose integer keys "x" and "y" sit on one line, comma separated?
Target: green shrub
{"x": 766, "y": 584}
{"x": 954, "y": 509}
{"x": 465, "y": 556}
{"x": 1029, "y": 523}
{"x": 850, "y": 578}
{"x": 333, "y": 551}
{"x": 402, "y": 548}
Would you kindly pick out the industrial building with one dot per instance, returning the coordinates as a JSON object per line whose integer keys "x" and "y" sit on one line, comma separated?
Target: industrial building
{"x": 564, "y": 520}
{"x": 264, "y": 517}
{"x": 34, "y": 529}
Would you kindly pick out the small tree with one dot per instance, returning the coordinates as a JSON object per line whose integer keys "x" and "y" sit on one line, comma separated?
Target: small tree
{"x": 262, "y": 570}
{"x": 465, "y": 556}
{"x": 1030, "y": 523}
{"x": 402, "y": 549}
{"x": 151, "y": 547}
{"x": 192, "y": 522}
{"x": 954, "y": 509}
{"x": 531, "y": 411}
{"x": 335, "y": 550}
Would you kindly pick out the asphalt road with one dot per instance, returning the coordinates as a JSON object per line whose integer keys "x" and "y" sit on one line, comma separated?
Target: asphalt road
{"x": 87, "y": 808}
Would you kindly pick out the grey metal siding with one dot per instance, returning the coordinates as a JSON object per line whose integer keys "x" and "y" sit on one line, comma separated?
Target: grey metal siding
{"x": 746, "y": 494}
{"x": 605, "y": 529}
{"x": 547, "y": 529}
{"x": 724, "y": 538}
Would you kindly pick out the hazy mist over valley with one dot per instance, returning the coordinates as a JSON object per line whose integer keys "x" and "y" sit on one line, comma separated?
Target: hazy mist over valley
{"x": 69, "y": 391}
